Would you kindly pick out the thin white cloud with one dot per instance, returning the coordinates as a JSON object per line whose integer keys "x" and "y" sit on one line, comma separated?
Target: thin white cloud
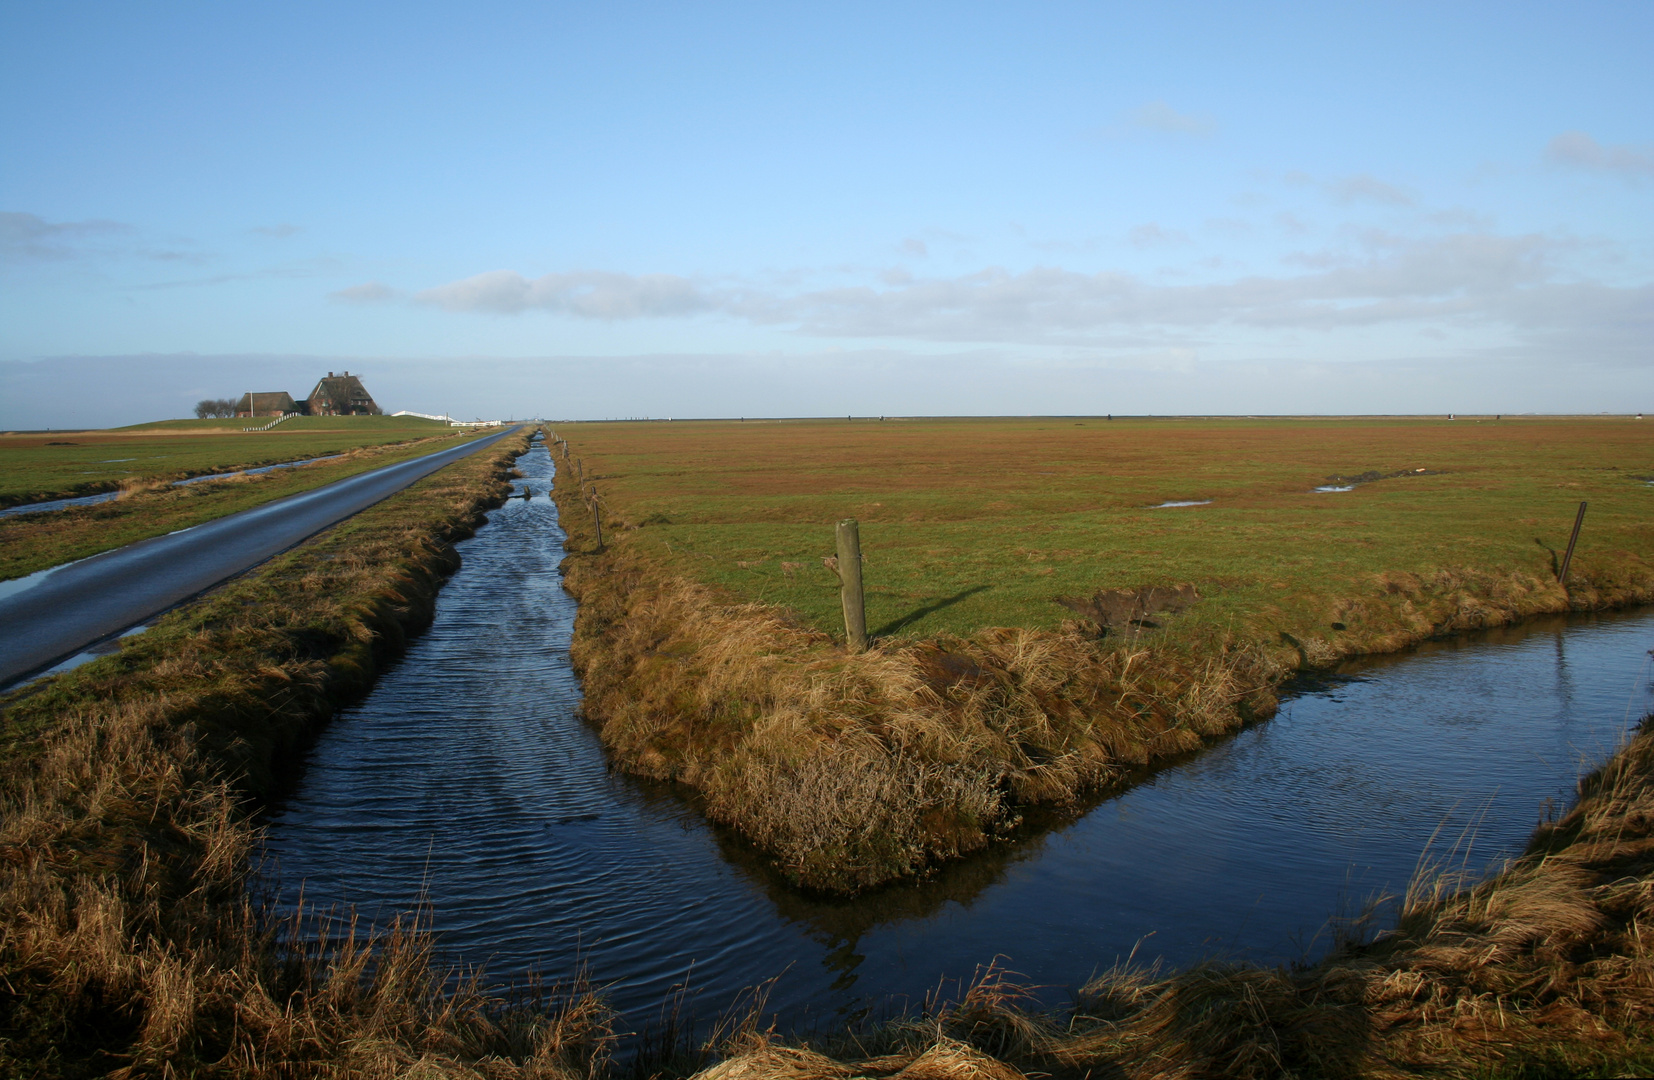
{"x": 1229, "y": 227}
{"x": 1291, "y": 224}
{"x": 1152, "y": 235}
{"x": 1159, "y": 116}
{"x": 915, "y": 246}
{"x": 28, "y": 236}
{"x": 279, "y": 231}
{"x": 370, "y": 292}
{"x": 1365, "y": 188}
{"x": 1577, "y": 149}
{"x": 589, "y": 294}
{"x": 321, "y": 266}
{"x": 1508, "y": 283}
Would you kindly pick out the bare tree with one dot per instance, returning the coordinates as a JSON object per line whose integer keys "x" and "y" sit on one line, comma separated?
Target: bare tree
{"x": 214, "y": 407}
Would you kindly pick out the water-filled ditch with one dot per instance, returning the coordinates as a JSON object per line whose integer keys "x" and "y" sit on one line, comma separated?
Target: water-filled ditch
{"x": 466, "y": 778}
{"x": 107, "y": 496}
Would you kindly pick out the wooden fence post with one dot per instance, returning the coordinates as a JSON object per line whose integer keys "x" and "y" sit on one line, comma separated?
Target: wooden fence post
{"x": 849, "y": 575}
{"x": 1579, "y": 519}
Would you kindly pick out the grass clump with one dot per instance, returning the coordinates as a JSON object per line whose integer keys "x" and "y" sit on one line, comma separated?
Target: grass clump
{"x": 128, "y": 790}
{"x": 855, "y": 769}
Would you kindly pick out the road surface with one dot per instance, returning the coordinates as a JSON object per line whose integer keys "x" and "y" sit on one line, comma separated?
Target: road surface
{"x": 57, "y": 613}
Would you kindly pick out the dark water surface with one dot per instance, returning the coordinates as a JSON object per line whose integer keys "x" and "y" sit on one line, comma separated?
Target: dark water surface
{"x": 467, "y": 777}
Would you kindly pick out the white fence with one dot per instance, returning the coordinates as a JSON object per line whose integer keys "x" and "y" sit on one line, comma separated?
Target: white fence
{"x": 450, "y": 421}
{"x": 273, "y": 423}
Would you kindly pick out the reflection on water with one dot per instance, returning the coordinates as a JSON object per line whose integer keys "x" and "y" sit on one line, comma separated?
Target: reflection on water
{"x": 467, "y": 777}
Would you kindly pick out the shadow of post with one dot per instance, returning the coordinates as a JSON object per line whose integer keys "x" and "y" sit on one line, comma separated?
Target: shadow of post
{"x": 903, "y": 622}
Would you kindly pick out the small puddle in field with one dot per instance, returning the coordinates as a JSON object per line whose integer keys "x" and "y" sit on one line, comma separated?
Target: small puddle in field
{"x": 467, "y": 778}
{"x": 1186, "y": 502}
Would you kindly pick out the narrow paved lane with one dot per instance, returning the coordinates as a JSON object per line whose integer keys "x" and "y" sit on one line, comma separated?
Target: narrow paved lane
{"x": 59, "y": 612}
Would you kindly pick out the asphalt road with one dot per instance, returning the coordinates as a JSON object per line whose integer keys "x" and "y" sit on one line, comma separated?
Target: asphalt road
{"x": 60, "y": 612}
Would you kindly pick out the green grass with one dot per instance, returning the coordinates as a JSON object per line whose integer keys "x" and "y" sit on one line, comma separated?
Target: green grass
{"x": 32, "y": 542}
{"x": 967, "y": 524}
{"x": 39, "y": 466}
{"x": 297, "y": 423}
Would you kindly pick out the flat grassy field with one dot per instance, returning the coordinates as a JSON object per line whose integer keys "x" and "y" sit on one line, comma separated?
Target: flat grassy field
{"x": 150, "y": 506}
{"x": 969, "y": 523}
{"x": 36, "y": 466}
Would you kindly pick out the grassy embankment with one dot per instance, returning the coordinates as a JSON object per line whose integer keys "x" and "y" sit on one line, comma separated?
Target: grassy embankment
{"x": 1545, "y": 969}
{"x": 708, "y": 629}
{"x": 34, "y": 468}
{"x": 127, "y": 794}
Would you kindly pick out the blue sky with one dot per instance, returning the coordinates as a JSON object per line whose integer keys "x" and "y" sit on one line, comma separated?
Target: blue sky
{"x": 723, "y": 209}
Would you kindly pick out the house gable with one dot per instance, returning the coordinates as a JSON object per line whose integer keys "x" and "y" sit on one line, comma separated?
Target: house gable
{"x": 274, "y": 403}
{"x": 341, "y": 395}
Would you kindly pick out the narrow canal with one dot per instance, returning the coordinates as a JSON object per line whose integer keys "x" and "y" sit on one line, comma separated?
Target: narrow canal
{"x": 467, "y": 778}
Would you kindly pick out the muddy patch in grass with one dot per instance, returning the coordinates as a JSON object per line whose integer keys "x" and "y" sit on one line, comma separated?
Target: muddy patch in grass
{"x": 1340, "y": 482}
{"x": 1130, "y": 610}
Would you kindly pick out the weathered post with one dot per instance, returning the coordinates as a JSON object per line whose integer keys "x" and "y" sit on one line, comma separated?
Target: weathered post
{"x": 597, "y": 519}
{"x": 1579, "y": 519}
{"x": 850, "y": 592}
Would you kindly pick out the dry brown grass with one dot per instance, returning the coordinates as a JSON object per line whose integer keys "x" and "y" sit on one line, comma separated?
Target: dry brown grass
{"x": 1545, "y": 969}
{"x": 128, "y": 945}
{"x": 853, "y": 769}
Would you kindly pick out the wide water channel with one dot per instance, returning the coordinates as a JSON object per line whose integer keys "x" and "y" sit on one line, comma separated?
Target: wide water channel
{"x": 467, "y": 779}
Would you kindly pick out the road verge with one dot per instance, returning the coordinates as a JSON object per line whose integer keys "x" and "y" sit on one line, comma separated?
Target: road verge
{"x": 129, "y": 793}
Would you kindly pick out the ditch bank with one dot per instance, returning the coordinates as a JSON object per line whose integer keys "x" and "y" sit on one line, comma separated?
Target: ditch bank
{"x": 1540, "y": 970}
{"x": 854, "y": 770}
{"x": 128, "y": 794}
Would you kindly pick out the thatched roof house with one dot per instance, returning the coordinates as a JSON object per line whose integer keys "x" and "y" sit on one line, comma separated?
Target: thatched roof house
{"x": 341, "y": 395}
{"x": 277, "y": 403}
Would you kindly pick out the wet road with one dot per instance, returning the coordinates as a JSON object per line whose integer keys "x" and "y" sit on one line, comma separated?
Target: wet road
{"x": 56, "y": 613}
